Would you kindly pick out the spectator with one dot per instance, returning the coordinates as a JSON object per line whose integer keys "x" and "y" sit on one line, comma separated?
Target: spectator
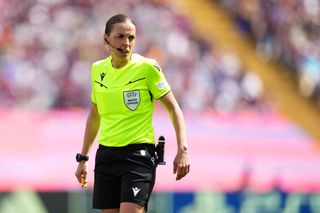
{"x": 288, "y": 31}
{"x": 45, "y": 57}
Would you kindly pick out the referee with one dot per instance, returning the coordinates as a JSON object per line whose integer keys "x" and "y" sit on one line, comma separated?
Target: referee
{"x": 124, "y": 87}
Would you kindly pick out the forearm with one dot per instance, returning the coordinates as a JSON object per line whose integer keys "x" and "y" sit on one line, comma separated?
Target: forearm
{"x": 91, "y": 130}
{"x": 181, "y": 165}
{"x": 177, "y": 119}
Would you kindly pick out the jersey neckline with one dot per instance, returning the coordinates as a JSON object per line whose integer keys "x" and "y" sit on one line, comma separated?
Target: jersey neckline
{"x": 123, "y": 67}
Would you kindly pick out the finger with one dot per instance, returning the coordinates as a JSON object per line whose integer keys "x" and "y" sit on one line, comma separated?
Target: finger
{"x": 178, "y": 177}
{"x": 186, "y": 170}
{"x": 179, "y": 173}
{"x": 182, "y": 171}
{"x": 84, "y": 176}
{"x": 174, "y": 168}
{"x": 78, "y": 177}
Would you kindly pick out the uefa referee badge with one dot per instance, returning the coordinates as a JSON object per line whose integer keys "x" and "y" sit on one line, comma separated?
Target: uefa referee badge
{"x": 131, "y": 99}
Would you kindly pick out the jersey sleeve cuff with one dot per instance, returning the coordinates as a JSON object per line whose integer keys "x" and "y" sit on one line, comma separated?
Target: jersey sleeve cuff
{"x": 163, "y": 94}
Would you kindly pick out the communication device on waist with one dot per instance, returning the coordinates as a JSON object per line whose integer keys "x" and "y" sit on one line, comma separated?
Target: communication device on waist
{"x": 160, "y": 151}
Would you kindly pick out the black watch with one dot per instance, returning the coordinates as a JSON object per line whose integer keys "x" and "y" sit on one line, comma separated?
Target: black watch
{"x": 80, "y": 157}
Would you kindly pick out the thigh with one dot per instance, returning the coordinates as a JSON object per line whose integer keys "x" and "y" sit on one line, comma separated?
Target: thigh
{"x": 106, "y": 191}
{"x": 137, "y": 188}
{"x": 107, "y": 185}
{"x": 139, "y": 178}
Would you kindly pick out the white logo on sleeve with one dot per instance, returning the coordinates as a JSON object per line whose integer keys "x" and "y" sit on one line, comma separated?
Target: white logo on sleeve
{"x": 135, "y": 190}
{"x": 162, "y": 84}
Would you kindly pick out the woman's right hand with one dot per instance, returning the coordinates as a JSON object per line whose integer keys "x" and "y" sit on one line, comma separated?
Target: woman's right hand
{"x": 81, "y": 173}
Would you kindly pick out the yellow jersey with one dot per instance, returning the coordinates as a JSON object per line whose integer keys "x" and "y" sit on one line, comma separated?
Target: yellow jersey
{"x": 125, "y": 99}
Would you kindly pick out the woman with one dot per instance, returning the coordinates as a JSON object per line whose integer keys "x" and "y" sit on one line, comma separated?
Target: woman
{"x": 124, "y": 87}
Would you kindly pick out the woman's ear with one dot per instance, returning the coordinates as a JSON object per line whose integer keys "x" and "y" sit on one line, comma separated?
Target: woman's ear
{"x": 105, "y": 39}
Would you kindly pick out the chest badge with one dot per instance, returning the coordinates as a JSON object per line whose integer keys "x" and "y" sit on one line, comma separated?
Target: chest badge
{"x": 131, "y": 99}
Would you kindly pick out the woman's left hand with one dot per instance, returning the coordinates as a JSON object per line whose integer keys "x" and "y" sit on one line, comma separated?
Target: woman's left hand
{"x": 181, "y": 165}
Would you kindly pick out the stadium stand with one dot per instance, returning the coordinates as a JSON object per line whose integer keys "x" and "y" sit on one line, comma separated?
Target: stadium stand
{"x": 212, "y": 20}
{"x": 243, "y": 114}
{"x": 47, "y": 48}
{"x": 286, "y": 31}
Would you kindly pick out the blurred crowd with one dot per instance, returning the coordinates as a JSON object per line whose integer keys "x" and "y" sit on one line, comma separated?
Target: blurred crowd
{"x": 284, "y": 30}
{"x": 47, "y": 47}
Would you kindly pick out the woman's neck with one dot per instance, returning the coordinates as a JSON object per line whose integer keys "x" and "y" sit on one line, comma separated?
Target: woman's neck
{"x": 118, "y": 63}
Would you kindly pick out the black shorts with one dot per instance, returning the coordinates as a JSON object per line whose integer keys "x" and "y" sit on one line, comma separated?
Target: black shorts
{"x": 123, "y": 174}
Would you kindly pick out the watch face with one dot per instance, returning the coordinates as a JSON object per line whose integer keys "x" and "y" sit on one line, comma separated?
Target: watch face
{"x": 78, "y": 157}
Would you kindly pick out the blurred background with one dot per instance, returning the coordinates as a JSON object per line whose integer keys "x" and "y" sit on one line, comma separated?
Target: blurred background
{"x": 245, "y": 72}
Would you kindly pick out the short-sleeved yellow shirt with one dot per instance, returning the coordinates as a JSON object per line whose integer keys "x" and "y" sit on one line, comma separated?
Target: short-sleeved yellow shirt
{"x": 124, "y": 98}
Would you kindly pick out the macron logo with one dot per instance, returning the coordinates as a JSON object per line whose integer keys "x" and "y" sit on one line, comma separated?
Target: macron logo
{"x": 102, "y": 76}
{"x": 135, "y": 190}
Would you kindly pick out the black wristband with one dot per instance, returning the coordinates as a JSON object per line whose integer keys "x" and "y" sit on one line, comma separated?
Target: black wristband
{"x": 80, "y": 157}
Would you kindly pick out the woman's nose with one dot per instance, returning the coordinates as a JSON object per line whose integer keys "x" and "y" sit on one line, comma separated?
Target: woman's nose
{"x": 126, "y": 41}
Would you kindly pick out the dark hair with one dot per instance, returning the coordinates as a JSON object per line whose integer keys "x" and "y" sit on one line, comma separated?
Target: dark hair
{"x": 119, "y": 18}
